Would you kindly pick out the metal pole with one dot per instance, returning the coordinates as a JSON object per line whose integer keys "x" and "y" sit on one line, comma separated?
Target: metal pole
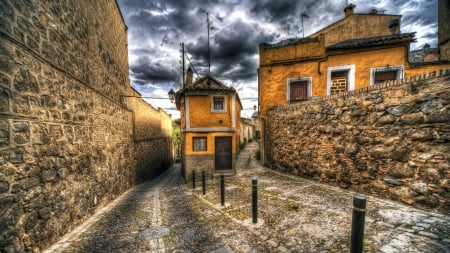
{"x": 303, "y": 29}
{"x": 358, "y": 219}
{"x": 184, "y": 73}
{"x": 209, "y": 49}
{"x": 255, "y": 200}
{"x": 204, "y": 182}
{"x": 193, "y": 179}
{"x": 222, "y": 190}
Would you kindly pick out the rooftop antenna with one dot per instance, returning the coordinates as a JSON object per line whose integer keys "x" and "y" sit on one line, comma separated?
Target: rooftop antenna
{"x": 303, "y": 29}
{"x": 182, "y": 59}
{"x": 209, "y": 50}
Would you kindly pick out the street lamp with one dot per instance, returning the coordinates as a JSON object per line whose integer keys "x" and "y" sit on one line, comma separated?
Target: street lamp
{"x": 172, "y": 95}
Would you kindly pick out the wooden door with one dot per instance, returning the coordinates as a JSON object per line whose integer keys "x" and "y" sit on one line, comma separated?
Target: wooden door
{"x": 223, "y": 153}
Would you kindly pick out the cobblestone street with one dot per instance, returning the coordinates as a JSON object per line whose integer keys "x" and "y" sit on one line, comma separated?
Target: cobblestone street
{"x": 295, "y": 215}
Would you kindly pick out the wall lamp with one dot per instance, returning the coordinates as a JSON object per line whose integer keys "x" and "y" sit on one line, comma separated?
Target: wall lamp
{"x": 172, "y": 95}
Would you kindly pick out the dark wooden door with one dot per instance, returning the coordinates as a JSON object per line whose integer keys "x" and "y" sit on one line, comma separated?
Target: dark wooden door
{"x": 223, "y": 153}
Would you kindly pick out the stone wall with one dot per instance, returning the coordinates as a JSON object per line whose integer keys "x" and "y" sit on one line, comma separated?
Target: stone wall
{"x": 67, "y": 143}
{"x": 152, "y": 136}
{"x": 199, "y": 163}
{"x": 390, "y": 140}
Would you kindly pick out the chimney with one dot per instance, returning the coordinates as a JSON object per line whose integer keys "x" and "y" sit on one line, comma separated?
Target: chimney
{"x": 189, "y": 76}
{"x": 349, "y": 10}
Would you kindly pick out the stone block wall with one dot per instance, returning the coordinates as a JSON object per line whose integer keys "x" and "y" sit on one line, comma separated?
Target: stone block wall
{"x": 390, "y": 140}
{"x": 152, "y": 138}
{"x": 67, "y": 142}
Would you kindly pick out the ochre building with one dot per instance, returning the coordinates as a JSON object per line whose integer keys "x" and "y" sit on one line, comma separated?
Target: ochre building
{"x": 210, "y": 125}
{"x": 357, "y": 51}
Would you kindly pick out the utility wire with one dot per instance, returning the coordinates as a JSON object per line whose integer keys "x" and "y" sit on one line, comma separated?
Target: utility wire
{"x": 190, "y": 62}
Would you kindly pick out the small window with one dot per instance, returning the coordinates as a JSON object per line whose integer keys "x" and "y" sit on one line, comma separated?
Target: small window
{"x": 382, "y": 74}
{"x": 339, "y": 74}
{"x": 340, "y": 79}
{"x": 339, "y": 82}
{"x": 199, "y": 143}
{"x": 218, "y": 104}
{"x": 299, "y": 89}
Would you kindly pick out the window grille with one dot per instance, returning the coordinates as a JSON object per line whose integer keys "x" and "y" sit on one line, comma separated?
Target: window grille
{"x": 218, "y": 103}
{"x": 379, "y": 75}
{"x": 199, "y": 144}
{"x": 299, "y": 89}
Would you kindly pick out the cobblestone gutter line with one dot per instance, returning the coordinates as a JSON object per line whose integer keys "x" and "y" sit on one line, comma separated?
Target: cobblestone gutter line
{"x": 157, "y": 244}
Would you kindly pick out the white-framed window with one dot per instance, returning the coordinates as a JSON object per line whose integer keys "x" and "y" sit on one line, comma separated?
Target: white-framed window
{"x": 218, "y": 104}
{"x": 340, "y": 79}
{"x": 199, "y": 143}
{"x": 381, "y": 74}
{"x": 298, "y": 89}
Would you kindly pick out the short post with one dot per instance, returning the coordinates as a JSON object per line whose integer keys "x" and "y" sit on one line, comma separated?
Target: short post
{"x": 255, "y": 200}
{"x": 193, "y": 179}
{"x": 358, "y": 219}
{"x": 204, "y": 182}
{"x": 222, "y": 190}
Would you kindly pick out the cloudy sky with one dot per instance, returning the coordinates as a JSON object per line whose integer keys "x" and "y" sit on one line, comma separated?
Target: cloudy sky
{"x": 156, "y": 28}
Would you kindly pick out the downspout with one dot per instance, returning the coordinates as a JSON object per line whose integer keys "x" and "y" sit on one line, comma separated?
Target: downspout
{"x": 261, "y": 126}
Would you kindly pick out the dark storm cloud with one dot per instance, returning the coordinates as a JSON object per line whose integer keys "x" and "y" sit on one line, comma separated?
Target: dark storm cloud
{"x": 145, "y": 71}
{"x": 232, "y": 50}
{"x": 417, "y": 16}
{"x": 275, "y": 10}
{"x": 156, "y": 28}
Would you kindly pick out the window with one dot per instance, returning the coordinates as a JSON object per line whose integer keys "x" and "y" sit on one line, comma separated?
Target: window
{"x": 299, "y": 89}
{"x": 218, "y": 104}
{"x": 340, "y": 79}
{"x": 384, "y": 76}
{"x": 199, "y": 143}
{"x": 379, "y": 75}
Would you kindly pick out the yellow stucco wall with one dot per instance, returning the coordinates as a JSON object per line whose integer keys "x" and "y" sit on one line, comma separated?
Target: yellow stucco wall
{"x": 291, "y": 52}
{"x": 366, "y": 60}
{"x": 201, "y": 115}
{"x": 415, "y": 71}
{"x": 210, "y": 142}
{"x": 273, "y": 79}
{"x": 356, "y": 26}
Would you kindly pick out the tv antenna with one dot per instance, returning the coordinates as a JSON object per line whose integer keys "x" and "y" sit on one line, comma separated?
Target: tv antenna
{"x": 208, "y": 27}
{"x": 303, "y": 15}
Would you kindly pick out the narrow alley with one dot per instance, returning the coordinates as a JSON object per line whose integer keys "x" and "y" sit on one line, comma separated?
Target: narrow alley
{"x": 295, "y": 215}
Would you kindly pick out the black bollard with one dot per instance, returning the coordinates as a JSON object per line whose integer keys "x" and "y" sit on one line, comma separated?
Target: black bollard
{"x": 255, "y": 200}
{"x": 204, "y": 182}
{"x": 193, "y": 179}
{"x": 358, "y": 219}
{"x": 222, "y": 190}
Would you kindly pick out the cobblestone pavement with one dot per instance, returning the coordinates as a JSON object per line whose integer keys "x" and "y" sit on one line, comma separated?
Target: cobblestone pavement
{"x": 295, "y": 215}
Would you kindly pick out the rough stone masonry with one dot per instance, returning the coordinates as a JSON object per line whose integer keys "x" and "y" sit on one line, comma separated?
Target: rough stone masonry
{"x": 390, "y": 140}
{"x": 73, "y": 135}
